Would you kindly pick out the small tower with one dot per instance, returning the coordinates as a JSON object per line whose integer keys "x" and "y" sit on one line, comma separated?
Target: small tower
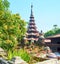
{"x": 32, "y": 33}
{"x": 41, "y": 38}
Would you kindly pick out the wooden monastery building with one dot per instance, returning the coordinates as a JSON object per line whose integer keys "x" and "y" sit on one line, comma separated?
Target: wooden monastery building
{"x": 32, "y": 35}
{"x": 53, "y": 42}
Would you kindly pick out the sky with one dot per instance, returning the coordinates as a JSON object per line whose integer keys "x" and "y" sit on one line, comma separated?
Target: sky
{"x": 46, "y": 12}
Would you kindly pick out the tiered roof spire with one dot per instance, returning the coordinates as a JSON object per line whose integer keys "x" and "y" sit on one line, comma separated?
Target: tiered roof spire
{"x": 32, "y": 33}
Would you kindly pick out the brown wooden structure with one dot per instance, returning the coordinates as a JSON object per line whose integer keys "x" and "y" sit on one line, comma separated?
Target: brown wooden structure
{"x": 32, "y": 33}
{"x": 54, "y": 44}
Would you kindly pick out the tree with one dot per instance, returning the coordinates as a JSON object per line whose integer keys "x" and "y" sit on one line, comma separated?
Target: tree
{"x": 49, "y": 33}
{"x": 57, "y": 31}
{"x": 55, "y": 26}
{"x": 4, "y": 5}
{"x": 12, "y": 27}
{"x": 52, "y": 31}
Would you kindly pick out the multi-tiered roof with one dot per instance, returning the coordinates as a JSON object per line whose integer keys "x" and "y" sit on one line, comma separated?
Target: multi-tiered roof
{"x": 32, "y": 33}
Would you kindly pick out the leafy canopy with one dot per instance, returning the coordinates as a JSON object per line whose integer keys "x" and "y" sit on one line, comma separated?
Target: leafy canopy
{"x": 53, "y": 31}
{"x": 12, "y": 27}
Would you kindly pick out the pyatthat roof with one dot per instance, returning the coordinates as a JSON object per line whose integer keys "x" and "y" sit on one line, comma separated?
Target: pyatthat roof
{"x": 54, "y": 36}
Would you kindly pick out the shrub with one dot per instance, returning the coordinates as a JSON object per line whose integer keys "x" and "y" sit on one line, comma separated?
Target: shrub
{"x": 10, "y": 55}
{"x": 24, "y": 55}
{"x": 21, "y": 53}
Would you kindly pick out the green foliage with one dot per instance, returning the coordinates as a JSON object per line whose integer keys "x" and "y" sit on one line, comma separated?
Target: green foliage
{"x": 21, "y": 53}
{"x": 57, "y": 31}
{"x": 52, "y": 32}
{"x": 12, "y": 27}
{"x": 10, "y": 55}
{"x": 4, "y": 5}
{"x": 49, "y": 33}
{"x": 24, "y": 55}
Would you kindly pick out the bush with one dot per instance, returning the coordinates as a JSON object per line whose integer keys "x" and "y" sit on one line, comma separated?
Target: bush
{"x": 21, "y": 53}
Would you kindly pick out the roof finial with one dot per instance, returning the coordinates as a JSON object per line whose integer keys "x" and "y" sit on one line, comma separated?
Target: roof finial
{"x": 31, "y": 6}
{"x": 31, "y": 10}
{"x": 41, "y": 31}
